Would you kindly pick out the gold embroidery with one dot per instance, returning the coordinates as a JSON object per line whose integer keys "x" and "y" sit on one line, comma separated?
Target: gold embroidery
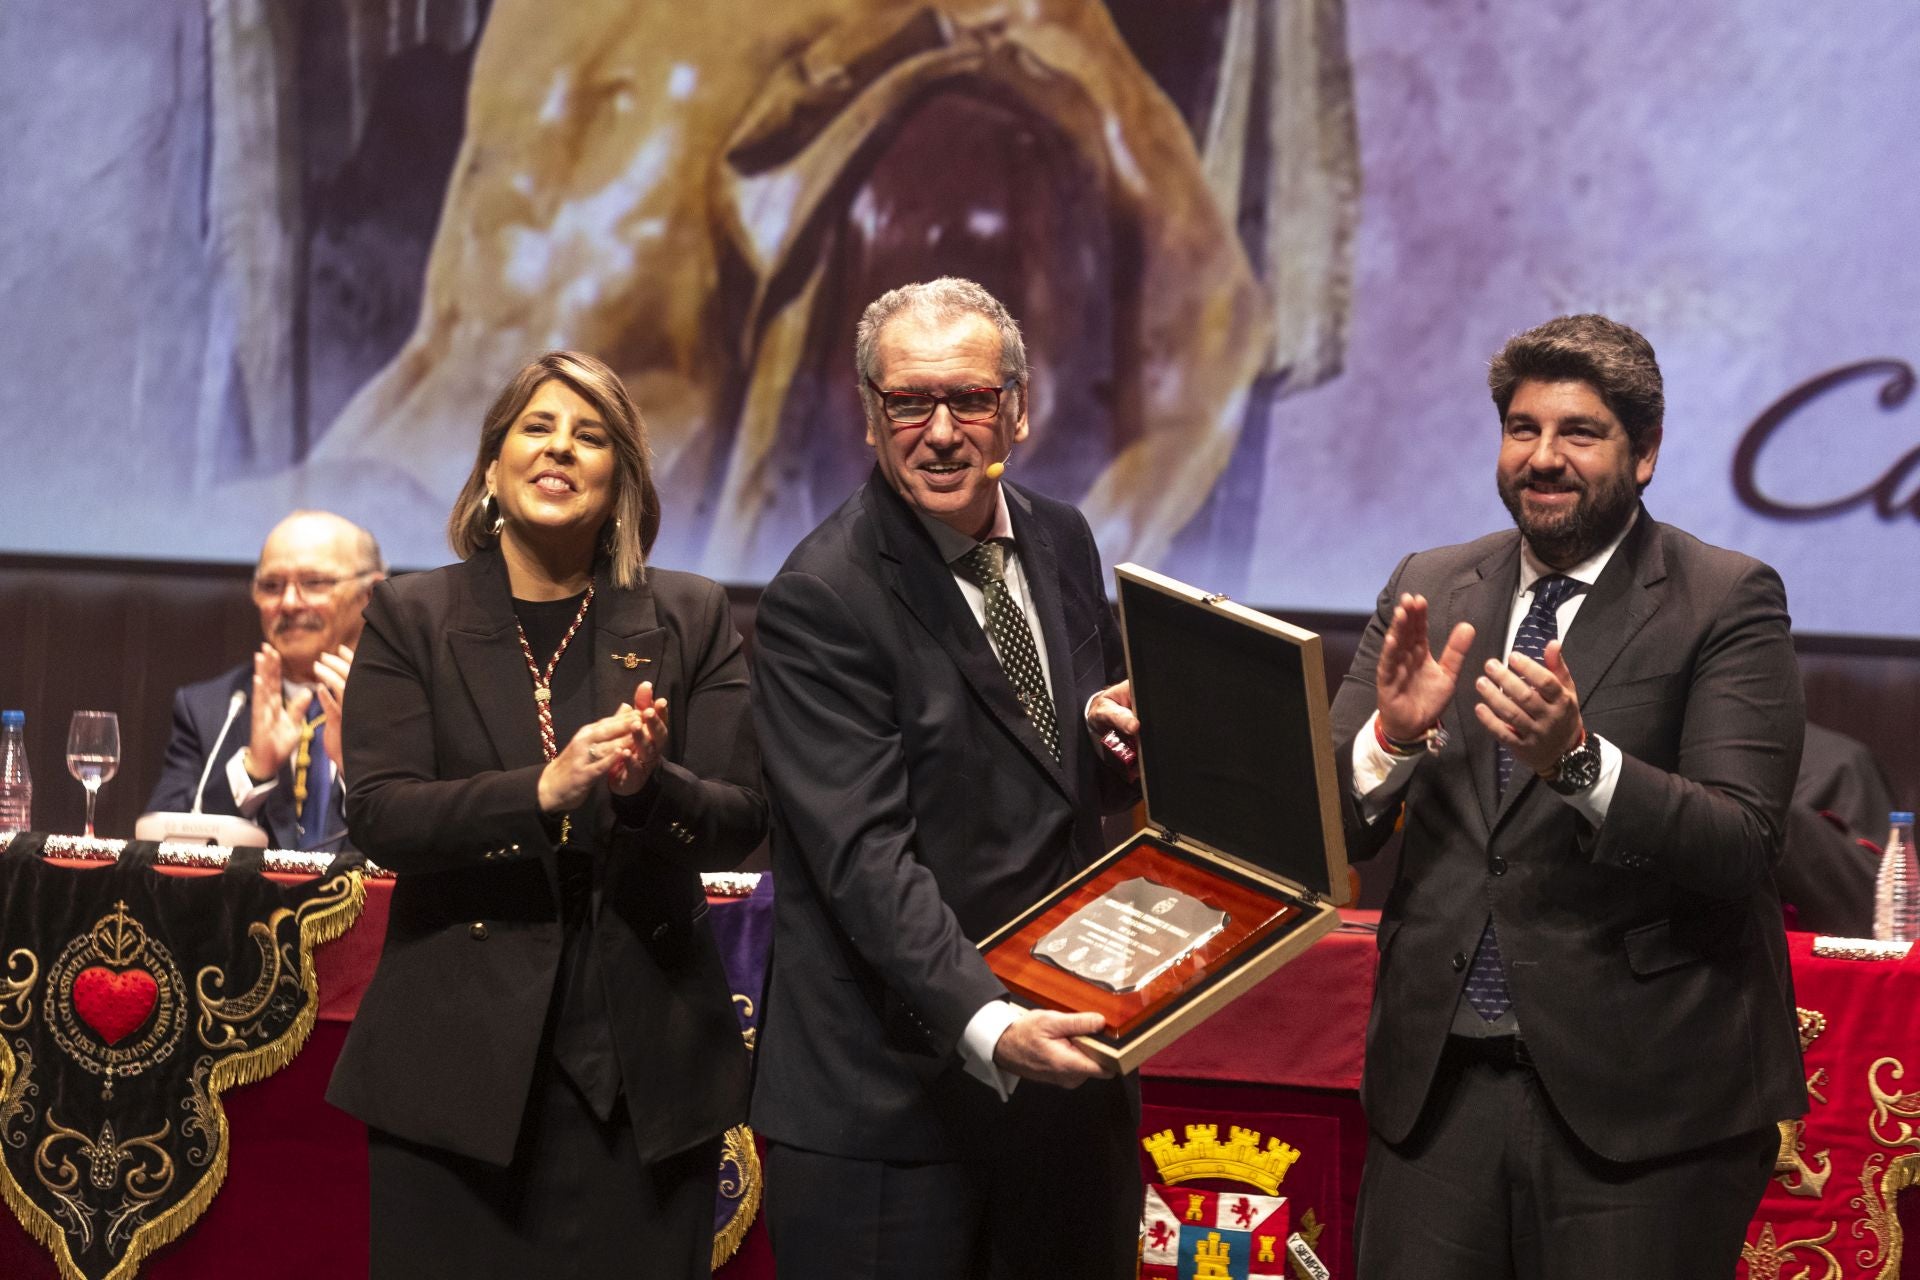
{"x": 116, "y": 951}
{"x": 1812, "y": 1024}
{"x": 149, "y": 1172}
{"x": 218, "y": 1016}
{"x": 749, "y": 1034}
{"x": 16, "y": 989}
{"x": 1765, "y": 1258}
{"x": 1884, "y": 1177}
{"x": 1792, "y": 1161}
{"x": 1203, "y": 1155}
{"x": 1309, "y": 1230}
{"x": 1212, "y": 1258}
{"x": 16, "y": 1105}
{"x": 322, "y": 918}
{"x": 743, "y": 1187}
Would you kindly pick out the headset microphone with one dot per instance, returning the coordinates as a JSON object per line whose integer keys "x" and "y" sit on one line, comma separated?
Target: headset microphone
{"x": 997, "y": 469}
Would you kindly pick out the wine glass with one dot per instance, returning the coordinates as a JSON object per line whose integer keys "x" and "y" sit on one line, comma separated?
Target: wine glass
{"x": 93, "y": 753}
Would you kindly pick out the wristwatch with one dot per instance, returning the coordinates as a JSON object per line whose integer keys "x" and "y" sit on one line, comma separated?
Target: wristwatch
{"x": 1578, "y": 769}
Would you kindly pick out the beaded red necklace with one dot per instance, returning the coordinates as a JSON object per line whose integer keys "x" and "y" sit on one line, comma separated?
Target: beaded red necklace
{"x": 543, "y": 690}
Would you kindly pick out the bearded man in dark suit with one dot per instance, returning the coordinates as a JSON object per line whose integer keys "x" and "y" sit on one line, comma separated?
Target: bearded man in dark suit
{"x": 1583, "y": 1028}
{"x": 933, "y": 667}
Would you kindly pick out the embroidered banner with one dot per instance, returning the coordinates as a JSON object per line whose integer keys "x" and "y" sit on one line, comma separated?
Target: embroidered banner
{"x": 1842, "y": 1200}
{"x": 745, "y": 942}
{"x": 130, "y": 1000}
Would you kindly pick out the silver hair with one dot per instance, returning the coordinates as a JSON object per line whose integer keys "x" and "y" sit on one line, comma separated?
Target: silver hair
{"x": 941, "y": 301}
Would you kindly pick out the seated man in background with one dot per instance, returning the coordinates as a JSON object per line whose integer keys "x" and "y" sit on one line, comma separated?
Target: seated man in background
{"x": 1834, "y": 828}
{"x": 262, "y": 741}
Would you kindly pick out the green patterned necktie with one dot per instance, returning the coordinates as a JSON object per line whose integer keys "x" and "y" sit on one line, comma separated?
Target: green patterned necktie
{"x": 986, "y": 567}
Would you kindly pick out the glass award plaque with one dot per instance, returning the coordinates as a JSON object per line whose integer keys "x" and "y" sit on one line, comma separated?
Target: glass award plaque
{"x": 1242, "y": 864}
{"x": 1131, "y": 934}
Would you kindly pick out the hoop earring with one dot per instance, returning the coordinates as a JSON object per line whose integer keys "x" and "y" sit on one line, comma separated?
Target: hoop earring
{"x": 490, "y": 504}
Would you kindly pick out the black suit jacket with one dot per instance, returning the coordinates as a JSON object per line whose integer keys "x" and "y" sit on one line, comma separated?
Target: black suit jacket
{"x": 915, "y": 811}
{"x": 443, "y": 764}
{"x": 1647, "y": 960}
{"x": 198, "y": 710}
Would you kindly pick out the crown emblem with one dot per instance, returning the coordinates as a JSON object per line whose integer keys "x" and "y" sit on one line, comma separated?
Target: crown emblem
{"x": 1203, "y": 1155}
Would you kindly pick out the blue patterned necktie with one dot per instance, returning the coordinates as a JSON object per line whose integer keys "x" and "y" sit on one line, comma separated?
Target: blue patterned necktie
{"x": 986, "y": 567}
{"x": 319, "y": 780}
{"x": 1487, "y": 980}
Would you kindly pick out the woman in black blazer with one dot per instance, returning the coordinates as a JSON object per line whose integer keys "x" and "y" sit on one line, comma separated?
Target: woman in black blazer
{"x": 549, "y": 742}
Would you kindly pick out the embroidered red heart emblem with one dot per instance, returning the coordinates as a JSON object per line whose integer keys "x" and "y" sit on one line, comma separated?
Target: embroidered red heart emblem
{"x": 115, "y": 1005}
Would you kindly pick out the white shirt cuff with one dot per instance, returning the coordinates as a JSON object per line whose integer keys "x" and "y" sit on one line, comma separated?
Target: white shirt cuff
{"x": 1592, "y": 803}
{"x": 983, "y": 1032}
{"x": 1377, "y": 774}
{"x": 248, "y": 795}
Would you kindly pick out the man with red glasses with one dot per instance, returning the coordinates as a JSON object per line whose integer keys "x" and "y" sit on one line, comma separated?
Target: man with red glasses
{"x": 263, "y": 740}
{"x": 934, "y": 666}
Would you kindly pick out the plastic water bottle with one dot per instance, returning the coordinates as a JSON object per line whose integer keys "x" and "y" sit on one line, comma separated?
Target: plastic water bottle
{"x": 1896, "y": 891}
{"x": 16, "y": 782}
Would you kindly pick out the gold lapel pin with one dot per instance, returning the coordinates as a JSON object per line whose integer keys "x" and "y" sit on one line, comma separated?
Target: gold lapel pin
{"x": 629, "y": 660}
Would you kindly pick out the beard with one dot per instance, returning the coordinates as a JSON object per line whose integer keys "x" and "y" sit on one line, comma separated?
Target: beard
{"x": 1565, "y": 538}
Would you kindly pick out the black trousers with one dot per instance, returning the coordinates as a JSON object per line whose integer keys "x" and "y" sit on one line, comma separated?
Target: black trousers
{"x": 1492, "y": 1185}
{"x": 577, "y": 1202}
{"x": 1050, "y": 1190}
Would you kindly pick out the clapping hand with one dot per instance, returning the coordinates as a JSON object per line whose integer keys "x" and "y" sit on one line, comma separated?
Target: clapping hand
{"x": 1532, "y": 707}
{"x": 624, "y": 748}
{"x": 276, "y": 719}
{"x": 1411, "y": 685}
{"x": 646, "y": 745}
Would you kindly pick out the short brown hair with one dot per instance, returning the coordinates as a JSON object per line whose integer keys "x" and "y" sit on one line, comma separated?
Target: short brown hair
{"x": 1617, "y": 362}
{"x": 636, "y": 505}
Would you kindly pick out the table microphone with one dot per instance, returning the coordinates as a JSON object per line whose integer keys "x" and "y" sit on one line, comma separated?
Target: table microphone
{"x": 233, "y": 709}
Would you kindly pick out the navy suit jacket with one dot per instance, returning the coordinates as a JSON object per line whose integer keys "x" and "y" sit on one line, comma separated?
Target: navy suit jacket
{"x": 915, "y": 810}
{"x": 198, "y": 710}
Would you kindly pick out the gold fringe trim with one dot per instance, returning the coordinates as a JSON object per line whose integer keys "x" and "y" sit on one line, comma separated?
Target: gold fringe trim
{"x": 321, "y": 919}
{"x": 738, "y": 1146}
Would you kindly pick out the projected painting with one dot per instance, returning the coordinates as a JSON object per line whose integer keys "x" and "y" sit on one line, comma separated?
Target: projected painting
{"x": 1261, "y": 249}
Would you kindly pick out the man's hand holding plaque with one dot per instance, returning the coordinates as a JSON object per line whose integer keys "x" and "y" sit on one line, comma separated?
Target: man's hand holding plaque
{"x": 1114, "y": 725}
{"x": 1039, "y": 1045}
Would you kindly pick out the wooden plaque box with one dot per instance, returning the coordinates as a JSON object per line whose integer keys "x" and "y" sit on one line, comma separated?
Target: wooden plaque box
{"x": 1236, "y": 764}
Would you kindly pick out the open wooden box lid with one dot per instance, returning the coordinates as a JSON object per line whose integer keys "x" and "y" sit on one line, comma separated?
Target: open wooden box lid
{"x": 1235, "y": 739}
